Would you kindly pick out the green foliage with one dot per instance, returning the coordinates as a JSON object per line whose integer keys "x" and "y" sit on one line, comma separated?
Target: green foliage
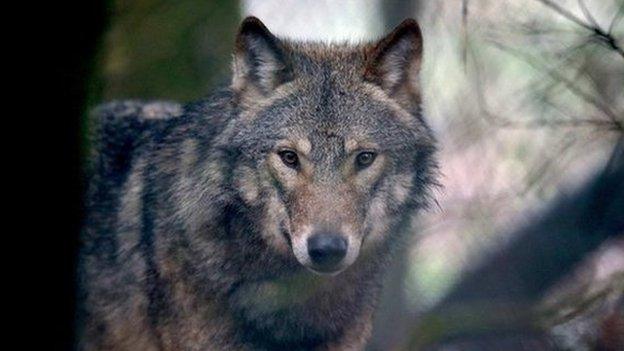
{"x": 158, "y": 49}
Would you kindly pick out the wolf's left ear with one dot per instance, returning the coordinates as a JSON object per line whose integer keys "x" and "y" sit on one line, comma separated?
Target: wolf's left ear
{"x": 394, "y": 63}
{"x": 260, "y": 60}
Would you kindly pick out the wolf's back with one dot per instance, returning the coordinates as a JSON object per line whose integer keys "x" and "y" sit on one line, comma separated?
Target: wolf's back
{"x": 121, "y": 128}
{"x": 122, "y": 131}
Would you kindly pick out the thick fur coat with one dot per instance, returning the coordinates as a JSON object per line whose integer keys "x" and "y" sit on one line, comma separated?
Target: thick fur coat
{"x": 201, "y": 217}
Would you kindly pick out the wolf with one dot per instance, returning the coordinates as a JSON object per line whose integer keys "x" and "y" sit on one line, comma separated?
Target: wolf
{"x": 264, "y": 216}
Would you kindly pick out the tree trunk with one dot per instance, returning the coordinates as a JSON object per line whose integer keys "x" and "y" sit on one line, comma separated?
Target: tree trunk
{"x": 493, "y": 307}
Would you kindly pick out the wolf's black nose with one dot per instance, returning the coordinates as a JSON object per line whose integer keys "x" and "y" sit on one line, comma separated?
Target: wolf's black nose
{"x": 327, "y": 250}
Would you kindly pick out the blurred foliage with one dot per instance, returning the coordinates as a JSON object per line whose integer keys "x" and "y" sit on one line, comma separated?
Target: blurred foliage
{"x": 157, "y": 49}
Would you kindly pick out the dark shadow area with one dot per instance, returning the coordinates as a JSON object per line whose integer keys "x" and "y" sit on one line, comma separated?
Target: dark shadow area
{"x": 71, "y": 39}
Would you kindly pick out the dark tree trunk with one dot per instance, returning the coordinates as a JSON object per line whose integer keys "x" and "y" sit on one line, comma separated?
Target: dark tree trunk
{"x": 493, "y": 307}
{"x": 66, "y": 46}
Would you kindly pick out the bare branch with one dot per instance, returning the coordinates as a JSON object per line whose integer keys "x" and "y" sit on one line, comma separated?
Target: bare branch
{"x": 597, "y": 33}
{"x": 616, "y": 18}
{"x": 587, "y": 14}
{"x": 465, "y": 31}
{"x": 567, "y": 14}
{"x": 572, "y": 87}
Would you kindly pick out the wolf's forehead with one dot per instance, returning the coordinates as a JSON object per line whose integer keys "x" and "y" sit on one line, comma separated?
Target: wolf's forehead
{"x": 322, "y": 65}
{"x": 308, "y": 57}
{"x": 327, "y": 113}
{"x": 320, "y": 143}
{"x": 329, "y": 105}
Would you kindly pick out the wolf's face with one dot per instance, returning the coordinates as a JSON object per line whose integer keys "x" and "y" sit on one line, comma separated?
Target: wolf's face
{"x": 333, "y": 149}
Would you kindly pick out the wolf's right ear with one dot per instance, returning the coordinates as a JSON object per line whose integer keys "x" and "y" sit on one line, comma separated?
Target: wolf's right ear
{"x": 260, "y": 60}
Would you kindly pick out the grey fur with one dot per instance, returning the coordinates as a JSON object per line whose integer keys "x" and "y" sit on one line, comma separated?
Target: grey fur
{"x": 184, "y": 244}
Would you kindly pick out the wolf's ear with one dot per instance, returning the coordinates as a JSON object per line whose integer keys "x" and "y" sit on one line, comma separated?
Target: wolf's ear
{"x": 394, "y": 62}
{"x": 260, "y": 60}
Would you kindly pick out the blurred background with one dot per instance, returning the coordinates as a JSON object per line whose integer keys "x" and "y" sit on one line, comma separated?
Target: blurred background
{"x": 525, "y": 248}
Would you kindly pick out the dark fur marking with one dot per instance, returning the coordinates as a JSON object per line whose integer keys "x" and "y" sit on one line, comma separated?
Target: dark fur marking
{"x": 155, "y": 287}
{"x": 118, "y": 142}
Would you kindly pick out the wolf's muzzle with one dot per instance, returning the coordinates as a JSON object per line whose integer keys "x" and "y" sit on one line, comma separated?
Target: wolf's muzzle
{"x": 327, "y": 250}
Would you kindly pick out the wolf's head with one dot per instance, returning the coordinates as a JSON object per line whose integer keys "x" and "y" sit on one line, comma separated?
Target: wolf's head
{"x": 333, "y": 149}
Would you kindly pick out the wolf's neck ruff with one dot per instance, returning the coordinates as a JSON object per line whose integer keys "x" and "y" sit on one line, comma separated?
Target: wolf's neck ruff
{"x": 263, "y": 216}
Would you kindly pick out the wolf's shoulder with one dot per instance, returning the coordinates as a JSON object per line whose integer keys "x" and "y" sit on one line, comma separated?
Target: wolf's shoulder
{"x": 120, "y": 128}
{"x": 145, "y": 110}
{"x": 128, "y": 122}
{"x": 122, "y": 123}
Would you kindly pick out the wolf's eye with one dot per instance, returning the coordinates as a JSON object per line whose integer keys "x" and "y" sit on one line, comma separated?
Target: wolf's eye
{"x": 289, "y": 158}
{"x": 365, "y": 159}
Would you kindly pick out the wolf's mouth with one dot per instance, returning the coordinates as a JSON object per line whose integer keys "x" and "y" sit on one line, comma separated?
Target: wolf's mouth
{"x": 330, "y": 273}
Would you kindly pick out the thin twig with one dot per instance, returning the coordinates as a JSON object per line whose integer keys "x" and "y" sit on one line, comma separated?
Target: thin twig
{"x": 465, "y": 31}
{"x": 572, "y": 87}
{"x": 567, "y": 14}
{"x": 597, "y": 33}
{"x": 616, "y": 18}
{"x": 587, "y": 14}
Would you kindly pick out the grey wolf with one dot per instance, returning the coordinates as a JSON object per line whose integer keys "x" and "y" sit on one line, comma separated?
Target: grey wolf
{"x": 262, "y": 217}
